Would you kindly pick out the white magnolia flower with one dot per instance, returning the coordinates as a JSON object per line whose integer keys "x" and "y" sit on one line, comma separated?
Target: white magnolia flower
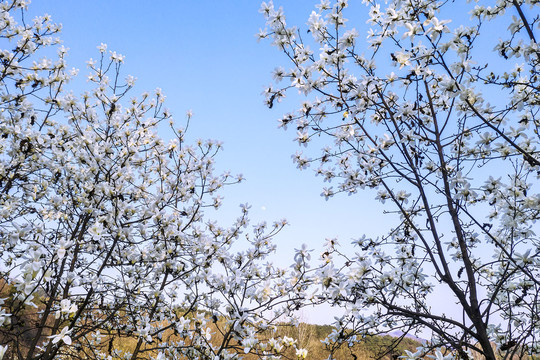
{"x": 67, "y": 307}
{"x": 62, "y": 336}
{"x": 301, "y": 353}
{"x": 402, "y": 58}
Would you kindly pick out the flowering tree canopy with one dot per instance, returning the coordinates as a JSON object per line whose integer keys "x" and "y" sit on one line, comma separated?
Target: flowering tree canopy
{"x": 438, "y": 114}
{"x": 102, "y": 234}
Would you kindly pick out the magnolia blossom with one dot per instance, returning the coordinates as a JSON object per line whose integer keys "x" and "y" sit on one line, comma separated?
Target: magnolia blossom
{"x": 301, "y": 353}
{"x": 62, "y": 336}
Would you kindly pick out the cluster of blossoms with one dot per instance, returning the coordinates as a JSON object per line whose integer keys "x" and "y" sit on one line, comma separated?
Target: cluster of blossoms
{"x": 440, "y": 118}
{"x": 102, "y": 229}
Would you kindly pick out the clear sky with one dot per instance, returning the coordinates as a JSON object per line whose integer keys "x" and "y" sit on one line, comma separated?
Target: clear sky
{"x": 205, "y": 57}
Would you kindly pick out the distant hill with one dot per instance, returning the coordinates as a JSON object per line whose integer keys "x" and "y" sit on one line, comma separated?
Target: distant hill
{"x": 384, "y": 347}
{"x": 309, "y": 336}
{"x": 399, "y": 333}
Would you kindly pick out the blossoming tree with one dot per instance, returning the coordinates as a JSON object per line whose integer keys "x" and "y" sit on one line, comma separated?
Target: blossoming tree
{"x": 103, "y": 242}
{"x": 437, "y": 113}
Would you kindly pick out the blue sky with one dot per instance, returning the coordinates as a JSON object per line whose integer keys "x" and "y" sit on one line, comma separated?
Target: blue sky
{"x": 205, "y": 57}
